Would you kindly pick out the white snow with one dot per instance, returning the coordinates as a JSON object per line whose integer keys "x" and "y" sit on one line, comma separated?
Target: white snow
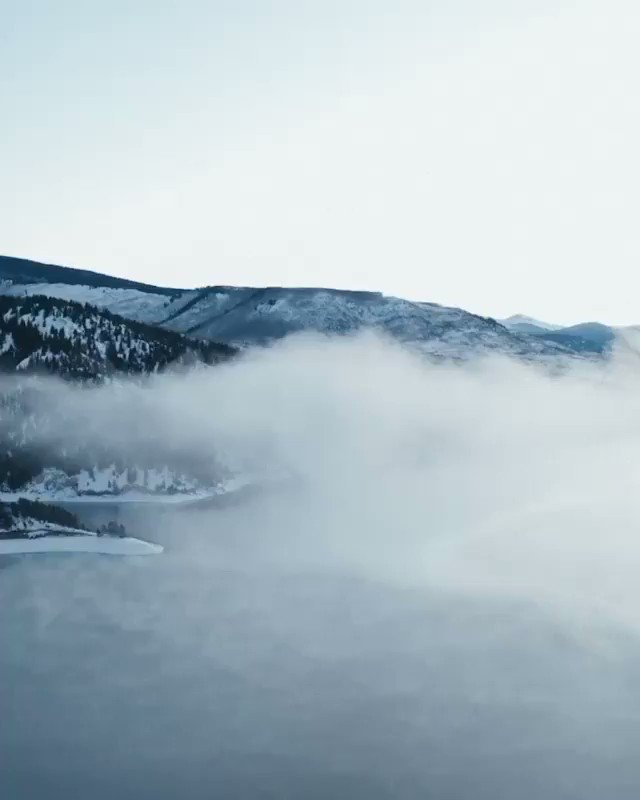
{"x": 69, "y": 496}
{"x": 523, "y": 319}
{"x": 87, "y": 543}
{"x": 7, "y": 344}
{"x": 130, "y": 497}
{"x": 54, "y": 485}
{"x": 131, "y": 303}
{"x": 35, "y": 527}
{"x": 247, "y": 315}
{"x": 109, "y": 483}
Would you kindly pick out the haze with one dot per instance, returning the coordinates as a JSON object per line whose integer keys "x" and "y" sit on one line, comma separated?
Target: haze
{"x": 436, "y": 592}
{"x": 478, "y": 156}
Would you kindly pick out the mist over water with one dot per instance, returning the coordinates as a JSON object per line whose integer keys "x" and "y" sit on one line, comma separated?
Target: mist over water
{"x": 437, "y": 596}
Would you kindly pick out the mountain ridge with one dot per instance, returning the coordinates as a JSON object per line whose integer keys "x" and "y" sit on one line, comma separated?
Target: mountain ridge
{"x": 70, "y": 339}
{"x": 14, "y": 268}
{"x": 244, "y": 316}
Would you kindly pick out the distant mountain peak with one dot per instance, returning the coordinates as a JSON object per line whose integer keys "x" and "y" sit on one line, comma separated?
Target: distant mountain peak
{"x": 523, "y": 319}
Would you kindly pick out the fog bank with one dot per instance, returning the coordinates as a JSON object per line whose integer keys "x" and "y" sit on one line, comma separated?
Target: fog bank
{"x": 436, "y": 594}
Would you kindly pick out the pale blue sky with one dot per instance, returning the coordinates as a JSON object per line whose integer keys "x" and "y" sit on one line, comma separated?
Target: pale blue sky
{"x": 475, "y": 154}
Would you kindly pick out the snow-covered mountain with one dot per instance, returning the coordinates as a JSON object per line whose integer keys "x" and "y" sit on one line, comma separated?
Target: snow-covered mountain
{"x": 131, "y": 299}
{"x": 245, "y": 316}
{"x": 593, "y": 335}
{"x": 83, "y": 325}
{"x": 521, "y": 323}
{"x": 586, "y": 337}
{"x": 248, "y": 315}
{"x": 71, "y": 339}
{"x": 149, "y": 307}
{"x": 22, "y": 271}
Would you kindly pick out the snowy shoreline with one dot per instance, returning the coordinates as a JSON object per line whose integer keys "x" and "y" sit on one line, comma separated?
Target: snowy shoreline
{"x": 125, "y": 497}
{"x": 134, "y": 496}
{"x": 79, "y": 543}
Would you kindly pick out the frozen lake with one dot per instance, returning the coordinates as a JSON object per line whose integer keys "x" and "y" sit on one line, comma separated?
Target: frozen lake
{"x": 249, "y": 661}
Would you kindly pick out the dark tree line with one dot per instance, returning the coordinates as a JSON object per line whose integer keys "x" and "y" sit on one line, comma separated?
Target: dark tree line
{"x": 80, "y": 341}
{"x": 33, "y": 509}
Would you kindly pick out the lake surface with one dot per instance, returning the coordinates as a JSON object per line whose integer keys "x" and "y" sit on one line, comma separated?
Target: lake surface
{"x": 251, "y": 660}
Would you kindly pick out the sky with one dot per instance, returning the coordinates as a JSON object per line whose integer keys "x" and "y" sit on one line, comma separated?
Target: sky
{"x": 478, "y": 155}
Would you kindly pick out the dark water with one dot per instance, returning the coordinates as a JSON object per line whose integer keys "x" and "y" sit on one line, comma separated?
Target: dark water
{"x": 234, "y": 667}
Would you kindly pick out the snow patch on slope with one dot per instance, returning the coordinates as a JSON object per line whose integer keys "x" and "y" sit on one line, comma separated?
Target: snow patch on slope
{"x": 129, "y": 303}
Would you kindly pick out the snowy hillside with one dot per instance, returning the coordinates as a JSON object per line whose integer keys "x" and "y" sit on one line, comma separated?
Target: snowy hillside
{"x": 80, "y": 341}
{"x": 248, "y": 315}
{"x": 245, "y": 316}
{"x": 587, "y": 337}
{"x": 131, "y": 303}
{"x": 24, "y": 271}
{"x": 521, "y": 323}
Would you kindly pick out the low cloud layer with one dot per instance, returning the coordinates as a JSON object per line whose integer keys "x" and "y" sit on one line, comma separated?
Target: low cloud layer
{"x": 438, "y": 589}
{"x": 503, "y": 475}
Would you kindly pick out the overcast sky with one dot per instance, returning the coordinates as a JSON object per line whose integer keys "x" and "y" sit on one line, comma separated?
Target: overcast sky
{"x": 483, "y": 155}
